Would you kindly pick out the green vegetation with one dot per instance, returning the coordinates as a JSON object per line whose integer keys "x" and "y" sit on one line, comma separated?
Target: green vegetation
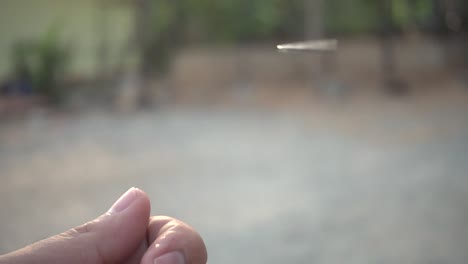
{"x": 103, "y": 31}
{"x": 173, "y": 22}
{"x": 247, "y": 20}
{"x": 41, "y": 63}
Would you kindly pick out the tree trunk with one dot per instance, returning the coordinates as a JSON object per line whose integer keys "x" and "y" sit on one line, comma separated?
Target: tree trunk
{"x": 143, "y": 13}
{"x": 392, "y": 84}
{"x": 102, "y": 26}
{"x": 142, "y": 33}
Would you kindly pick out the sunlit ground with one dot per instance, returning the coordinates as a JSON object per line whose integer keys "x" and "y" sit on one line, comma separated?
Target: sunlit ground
{"x": 364, "y": 180}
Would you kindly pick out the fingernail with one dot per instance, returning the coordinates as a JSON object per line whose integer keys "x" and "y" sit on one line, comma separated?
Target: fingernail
{"x": 124, "y": 201}
{"x": 175, "y": 257}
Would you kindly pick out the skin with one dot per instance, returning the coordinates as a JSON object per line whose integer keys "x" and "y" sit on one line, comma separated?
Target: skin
{"x": 125, "y": 234}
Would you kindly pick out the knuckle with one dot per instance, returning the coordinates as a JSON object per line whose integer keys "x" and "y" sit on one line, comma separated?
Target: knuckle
{"x": 83, "y": 229}
{"x": 76, "y": 232}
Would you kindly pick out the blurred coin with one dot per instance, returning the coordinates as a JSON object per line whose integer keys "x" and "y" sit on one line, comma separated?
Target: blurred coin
{"x": 310, "y": 46}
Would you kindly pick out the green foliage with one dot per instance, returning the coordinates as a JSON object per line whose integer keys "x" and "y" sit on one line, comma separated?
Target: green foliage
{"x": 52, "y": 58}
{"x": 362, "y": 16}
{"x": 358, "y": 16}
{"x": 163, "y": 15}
{"x": 225, "y": 20}
{"x": 42, "y": 62}
{"x": 21, "y": 60}
{"x": 229, "y": 20}
{"x": 251, "y": 20}
{"x": 233, "y": 21}
{"x": 408, "y": 12}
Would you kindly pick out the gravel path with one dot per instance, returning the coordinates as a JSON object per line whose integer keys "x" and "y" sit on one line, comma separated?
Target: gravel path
{"x": 381, "y": 182}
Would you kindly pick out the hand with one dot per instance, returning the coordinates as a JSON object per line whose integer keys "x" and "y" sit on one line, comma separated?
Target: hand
{"x": 125, "y": 234}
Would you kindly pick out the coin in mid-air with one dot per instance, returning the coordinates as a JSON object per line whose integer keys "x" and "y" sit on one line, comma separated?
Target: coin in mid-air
{"x": 311, "y": 46}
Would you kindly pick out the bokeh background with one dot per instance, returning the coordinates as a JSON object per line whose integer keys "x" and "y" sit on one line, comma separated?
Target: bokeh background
{"x": 357, "y": 155}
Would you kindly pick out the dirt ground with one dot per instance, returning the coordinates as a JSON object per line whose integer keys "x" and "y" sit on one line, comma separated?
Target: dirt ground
{"x": 361, "y": 180}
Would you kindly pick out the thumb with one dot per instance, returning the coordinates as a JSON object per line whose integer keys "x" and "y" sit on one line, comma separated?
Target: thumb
{"x": 112, "y": 237}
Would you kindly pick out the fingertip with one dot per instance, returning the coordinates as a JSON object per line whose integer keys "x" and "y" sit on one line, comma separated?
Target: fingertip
{"x": 167, "y": 235}
{"x": 121, "y": 231}
{"x": 127, "y": 199}
{"x": 144, "y": 200}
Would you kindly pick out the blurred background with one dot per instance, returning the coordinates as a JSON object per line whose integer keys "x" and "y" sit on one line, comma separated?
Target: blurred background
{"x": 357, "y": 155}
